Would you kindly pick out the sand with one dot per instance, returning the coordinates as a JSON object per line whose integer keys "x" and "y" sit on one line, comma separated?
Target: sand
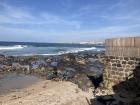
{"x": 47, "y": 93}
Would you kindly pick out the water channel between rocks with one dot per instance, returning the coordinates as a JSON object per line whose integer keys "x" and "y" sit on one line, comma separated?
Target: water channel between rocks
{"x": 13, "y": 81}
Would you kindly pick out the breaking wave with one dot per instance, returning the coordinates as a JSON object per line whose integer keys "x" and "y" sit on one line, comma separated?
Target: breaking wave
{"x": 74, "y": 50}
{"x": 77, "y": 50}
{"x": 12, "y": 47}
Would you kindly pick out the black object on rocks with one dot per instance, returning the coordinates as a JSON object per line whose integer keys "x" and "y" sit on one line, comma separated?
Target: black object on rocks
{"x": 96, "y": 81}
{"x": 107, "y": 101}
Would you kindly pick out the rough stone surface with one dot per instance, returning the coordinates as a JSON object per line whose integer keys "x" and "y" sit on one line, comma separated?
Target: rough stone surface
{"x": 118, "y": 69}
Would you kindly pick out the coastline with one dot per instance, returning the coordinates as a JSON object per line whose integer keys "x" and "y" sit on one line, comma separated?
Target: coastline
{"x": 79, "y": 75}
{"x": 82, "y": 64}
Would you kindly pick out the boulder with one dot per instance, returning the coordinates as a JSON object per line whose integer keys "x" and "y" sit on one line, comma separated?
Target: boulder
{"x": 68, "y": 73}
{"x": 91, "y": 60}
{"x": 82, "y": 81}
{"x": 54, "y": 64}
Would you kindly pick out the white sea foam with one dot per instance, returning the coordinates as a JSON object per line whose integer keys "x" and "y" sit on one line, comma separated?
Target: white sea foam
{"x": 36, "y": 54}
{"x": 73, "y": 50}
{"x": 12, "y": 47}
{"x": 76, "y": 50}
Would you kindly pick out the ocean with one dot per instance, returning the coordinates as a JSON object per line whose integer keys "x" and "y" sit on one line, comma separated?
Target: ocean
{"x": 31, "y": 48}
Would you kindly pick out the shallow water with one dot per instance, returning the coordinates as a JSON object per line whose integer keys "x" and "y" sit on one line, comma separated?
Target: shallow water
{"x": 14, "y": 81}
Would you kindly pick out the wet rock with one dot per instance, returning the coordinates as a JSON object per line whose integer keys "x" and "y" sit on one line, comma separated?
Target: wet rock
{"x": 26, "y": 69}
{"x": 50, "y": 75}
{"x": 94, "y": 71}
{"x": 82, "y": 81}
{"x": 71, "y": 67}
{"x": 38, "y": 64}
{"x": 81, "y": 61}
{"x": 68, "y": 73}
{"x": 35, "y": 66}
{"x": 91, "y": 60}
{"x": 54, "y": 64}
{"x": 16, "y": 66}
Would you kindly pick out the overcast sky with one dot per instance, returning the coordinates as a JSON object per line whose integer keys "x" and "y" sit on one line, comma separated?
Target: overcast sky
{"x": 68, "y": 20}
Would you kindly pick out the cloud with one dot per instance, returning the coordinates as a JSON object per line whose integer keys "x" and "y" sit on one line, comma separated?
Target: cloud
{"x": 15, "y": 12}
{"x": 53, "y": 19}
{"x": 120, "y": 10}
{"x": 123, "y": 11}
{"x": 15, "y": 15}
{"x": 88, "y": 22}
{"x": 68, "y": 36}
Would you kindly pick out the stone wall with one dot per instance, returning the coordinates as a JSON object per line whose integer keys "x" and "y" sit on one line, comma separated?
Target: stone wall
{"x": 118, "y": 69}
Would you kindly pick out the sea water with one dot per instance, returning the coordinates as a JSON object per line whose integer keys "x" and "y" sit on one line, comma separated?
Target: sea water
{"x": 28, "y": 48}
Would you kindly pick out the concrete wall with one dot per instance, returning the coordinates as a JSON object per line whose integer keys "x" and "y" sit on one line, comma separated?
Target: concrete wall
{"x": 128, "y": 47}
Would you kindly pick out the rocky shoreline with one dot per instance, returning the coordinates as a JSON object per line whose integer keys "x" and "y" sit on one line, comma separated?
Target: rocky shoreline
{"x": 84, "y": 69}
{"x": 70, "y": 67}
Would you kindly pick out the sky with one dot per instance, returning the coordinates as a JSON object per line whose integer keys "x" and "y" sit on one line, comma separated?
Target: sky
{"x": 65, "y": 21}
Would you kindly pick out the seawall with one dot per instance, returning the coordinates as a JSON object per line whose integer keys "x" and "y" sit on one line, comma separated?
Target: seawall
{"x": 122, "y": 61}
